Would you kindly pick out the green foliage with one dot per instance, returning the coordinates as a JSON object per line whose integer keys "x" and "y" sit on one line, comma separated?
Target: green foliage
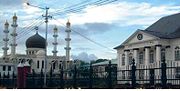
{"x": 99, "y": 60}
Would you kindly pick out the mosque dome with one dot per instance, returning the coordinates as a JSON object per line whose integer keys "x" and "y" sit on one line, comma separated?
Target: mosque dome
{"x": 36, "y": 41}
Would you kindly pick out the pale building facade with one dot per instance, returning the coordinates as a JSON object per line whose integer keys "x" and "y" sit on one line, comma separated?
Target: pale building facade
{"x": 148, "y": 47}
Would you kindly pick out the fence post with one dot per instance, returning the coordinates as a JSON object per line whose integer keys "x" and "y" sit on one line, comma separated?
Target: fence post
{"x": 41, "y": 78}
{"x": 33, "y": 78}
{"x": 109, "y": 75}
{"x": 3, "y": 83}
{"x": 133, "y": 74}
{"x": 90, "y": 76}
{"x": 74, "y": 77}
{"x": 50, "y": 79}
{"x": 163, "y": 74}
{"x": 13, "y": 81}
{"x": 61, "y": 78}
{"x": 0, "y": 78}
{"x": 8, "y": 76}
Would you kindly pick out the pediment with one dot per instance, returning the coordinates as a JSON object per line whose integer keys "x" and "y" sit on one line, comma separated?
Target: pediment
{"x": 139, "y": 36}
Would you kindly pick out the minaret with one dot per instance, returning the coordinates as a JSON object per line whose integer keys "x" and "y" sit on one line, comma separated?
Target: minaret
{"x": 68, "y": 39}
{"x": 55, "y": 41}
{"x": 14, "y": 34}
{"x": 5, "y": 39}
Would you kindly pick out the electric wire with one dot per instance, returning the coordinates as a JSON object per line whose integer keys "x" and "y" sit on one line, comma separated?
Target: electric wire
{"x": 99, "y": 44}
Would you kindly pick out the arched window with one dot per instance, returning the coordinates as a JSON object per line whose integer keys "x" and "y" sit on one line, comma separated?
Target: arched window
{"x": 60, "y": 66}
{"x": 32, "y": 52}
{"x": 123, "y": 59}
{"x": 38, "y": 64}
{"x": 54, "y": 65}
{"x": 151, "y": 60}
{"x": 130, "y": 58}
{"x": 141, "y": 58}
{"x": 42, "y": 64}
{"x": 177, "y": 54}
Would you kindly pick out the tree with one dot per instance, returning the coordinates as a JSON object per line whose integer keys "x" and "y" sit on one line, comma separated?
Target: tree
{"x": 99, "y": 60}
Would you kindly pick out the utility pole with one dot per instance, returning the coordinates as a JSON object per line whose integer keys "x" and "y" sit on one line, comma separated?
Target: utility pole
{"x": 46, "y": 21}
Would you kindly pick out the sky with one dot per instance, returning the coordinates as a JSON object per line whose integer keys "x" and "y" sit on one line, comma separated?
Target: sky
{"x": 107, "y": 25}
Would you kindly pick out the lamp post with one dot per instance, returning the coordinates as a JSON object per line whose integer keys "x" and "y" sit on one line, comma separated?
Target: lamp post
{"x": 46, "y": 21}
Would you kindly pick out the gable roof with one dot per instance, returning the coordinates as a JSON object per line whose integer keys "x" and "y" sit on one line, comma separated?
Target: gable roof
{"x": 167, "y": 27}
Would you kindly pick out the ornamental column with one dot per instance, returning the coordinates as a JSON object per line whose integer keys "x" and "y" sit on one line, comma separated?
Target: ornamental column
{"x": 158, "y": 60}
{"x": 126, "y": 57}
{"x": 147, "y": 58}
{"x": 147, "y": 55}
{"x": 14, "y": 34}
{"x": 158, "y": 53}
{"x": 126, "y": 63}
{"x": 135, "y": 55}
{"x": 6, "y": 39}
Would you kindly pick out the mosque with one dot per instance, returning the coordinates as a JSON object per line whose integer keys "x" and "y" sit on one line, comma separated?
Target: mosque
{"x": 35, "y": 52}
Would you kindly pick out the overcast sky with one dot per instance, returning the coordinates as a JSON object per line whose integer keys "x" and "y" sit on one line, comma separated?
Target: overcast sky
{"x": 108, "y": 25}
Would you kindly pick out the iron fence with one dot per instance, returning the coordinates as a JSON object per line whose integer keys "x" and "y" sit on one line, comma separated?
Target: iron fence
{"x": 162, "y": 75}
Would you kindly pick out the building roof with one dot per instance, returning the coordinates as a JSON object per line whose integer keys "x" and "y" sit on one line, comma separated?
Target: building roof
{"x": 167, "y": 27}
{"x": 120, "y": 46}
{"x": 36, "y": 41}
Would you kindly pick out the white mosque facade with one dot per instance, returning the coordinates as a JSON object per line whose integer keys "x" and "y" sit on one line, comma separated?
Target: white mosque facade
{"x": 35, "y": 53}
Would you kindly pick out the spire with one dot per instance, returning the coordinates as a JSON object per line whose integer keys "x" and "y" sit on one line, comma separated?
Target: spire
{"x": 14, "y": 17}
{"x": 67, "y": 39}
{"x": 36, "y": 28}
{"x": 55, "y": 43}
{"x": 14, "y": 34}
{"x": 55, "y": 29}
{"x": 68, "y": 24}
{"x": 6, "y": 23}
{"x": 5, "y": 39}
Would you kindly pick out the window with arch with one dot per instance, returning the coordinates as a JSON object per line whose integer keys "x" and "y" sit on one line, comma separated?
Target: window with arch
{"x": 130, "y": 58}
{"x": 54, "y": 65}
{"x": 163, "y": 53}
{"x": 123, "y": 59}
{"x": 32, "y": 52}
{"x": 151, "y": 56}
{"x": 60, "y": 66}
{"x": 42, "y": 64}
{"x": 38, "y": 64}
{"x": 141, "y": 58}
{"x": 177, "y": 54}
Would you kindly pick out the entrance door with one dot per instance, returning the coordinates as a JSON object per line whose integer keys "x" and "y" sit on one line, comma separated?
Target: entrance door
{"x": 151, "y": 74}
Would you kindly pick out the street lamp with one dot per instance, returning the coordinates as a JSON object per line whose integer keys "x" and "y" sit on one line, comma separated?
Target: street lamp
{"x": 46, "y": 21}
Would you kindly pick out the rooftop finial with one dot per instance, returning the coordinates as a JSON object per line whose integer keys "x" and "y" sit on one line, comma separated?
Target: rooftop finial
{"x": 55, "y": 29}
{"x": 68, "y": 23}
{"x": 6, "y": 23}
{"x": 14, "y": 17}
{"x": 36, "y": 28}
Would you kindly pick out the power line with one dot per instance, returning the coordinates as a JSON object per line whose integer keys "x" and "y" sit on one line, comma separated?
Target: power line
{"x": 78, "y": 9}
{"x": 86, "y": 37}
{"x": 74, "y": 5}
{"x": 22, "y": 33}
{"x": 40, "y": 23}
